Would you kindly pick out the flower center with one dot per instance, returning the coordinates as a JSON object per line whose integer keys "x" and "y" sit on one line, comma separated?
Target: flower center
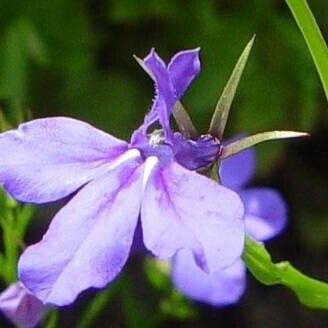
{"x": 156, "y": 138}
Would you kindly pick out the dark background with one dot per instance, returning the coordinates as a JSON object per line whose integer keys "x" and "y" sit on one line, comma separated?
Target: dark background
{"x": 74, "y": 58}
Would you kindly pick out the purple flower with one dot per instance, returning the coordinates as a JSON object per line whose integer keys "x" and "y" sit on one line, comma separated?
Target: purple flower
{"x": 89, "y": 240}
{"x": 265, "y": 217}
{"x": 20, "y": 306}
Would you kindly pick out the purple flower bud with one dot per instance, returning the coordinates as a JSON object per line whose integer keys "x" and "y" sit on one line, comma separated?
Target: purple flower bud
{"x": 196, "y": 154}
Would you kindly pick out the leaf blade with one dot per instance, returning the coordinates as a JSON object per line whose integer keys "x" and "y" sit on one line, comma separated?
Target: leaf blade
{"x": 313, "y": 37}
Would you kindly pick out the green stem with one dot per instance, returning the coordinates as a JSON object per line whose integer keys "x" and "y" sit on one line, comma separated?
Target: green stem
{"x": 313, "y": 37}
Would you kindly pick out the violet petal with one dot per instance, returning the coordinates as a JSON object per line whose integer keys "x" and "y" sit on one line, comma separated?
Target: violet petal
{"x": 183, "y": 68}
{"x": 88, "y": 241}
{"x": 237, "y": 170}
{"x": 183, "y": 209}
{"x": 220, "y": 288}
{"x": 47, "y": 159}
{"x": 266, "y": 213}
{"x": 165, "y": 95}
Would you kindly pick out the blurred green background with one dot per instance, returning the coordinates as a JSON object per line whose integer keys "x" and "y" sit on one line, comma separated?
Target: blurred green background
{"x": 74, "y": 58}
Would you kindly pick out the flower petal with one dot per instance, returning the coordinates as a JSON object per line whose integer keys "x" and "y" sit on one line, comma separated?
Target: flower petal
{"x": 220, "y": 288}
{"x": 170, "y": 83}
{"x": 265, "y": 212}
{"x": 237, "y": 170}
{"x": 47, "y": 159}
{"x": 88, "y": 241}
{"x": 183, "y": 68}
{"x": 165, "y": 95}
{"x": 183, "y": 209}
{"x": 20, "y": 306}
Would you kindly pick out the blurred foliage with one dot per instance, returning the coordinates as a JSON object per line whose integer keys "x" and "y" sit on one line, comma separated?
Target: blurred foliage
{"x": 172, "y": 304}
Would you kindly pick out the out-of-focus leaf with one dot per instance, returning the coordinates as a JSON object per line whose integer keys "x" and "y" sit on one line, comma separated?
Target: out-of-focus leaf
{"x": 222, "y": 109}
{"x": 33, "y": 42}
{"x": 173, "y": 304}
{"x": 129, "y": 11}
{"x": 158, "y": 273}
{"x": 134, "y": 312}
{"x": 96, "y": 306}
{"x": 177, "y": 306}
{"x": 310, "y": 292}
{"x": 113, "y": 102}
{"x": 14, "y": 64}
{"x": 312, "y": 227}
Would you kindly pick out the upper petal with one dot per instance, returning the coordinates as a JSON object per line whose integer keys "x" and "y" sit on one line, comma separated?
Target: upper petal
{"x": 182, "y": 209}
{"x": 47, "y": 159}
{"x": 170, "y": 83}
{"x": 183, "y": 68}
{"x": 20, "y": 306}
{"x": 88, "y": 241}
{"x": 219, "y": 288}
{"x": 265, "y": 212}
{"x": 165, "y": 97}
{"x": 238, "y": 169}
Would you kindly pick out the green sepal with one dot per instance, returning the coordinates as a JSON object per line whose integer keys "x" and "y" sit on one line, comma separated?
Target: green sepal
{"x": 222, "y": 109}
{"x": 184, "y": 121}
{"x": 310, "y": 292}
{"x": 248, "y": 142}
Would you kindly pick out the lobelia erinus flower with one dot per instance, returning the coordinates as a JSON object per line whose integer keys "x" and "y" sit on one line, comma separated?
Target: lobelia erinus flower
{"x": 153, "y": 176}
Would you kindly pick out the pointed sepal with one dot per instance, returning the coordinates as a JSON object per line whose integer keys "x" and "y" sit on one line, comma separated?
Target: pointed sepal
{"x": 222, "y": 109}
{"x": 248, "y": 142}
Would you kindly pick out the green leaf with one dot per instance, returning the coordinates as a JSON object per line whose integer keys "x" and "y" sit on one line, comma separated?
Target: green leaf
{"x": 310, "y": 292}
{"x": 242, "y": 144}
{"x": 222, "y": 109}
{"x": 313, "y": 37}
